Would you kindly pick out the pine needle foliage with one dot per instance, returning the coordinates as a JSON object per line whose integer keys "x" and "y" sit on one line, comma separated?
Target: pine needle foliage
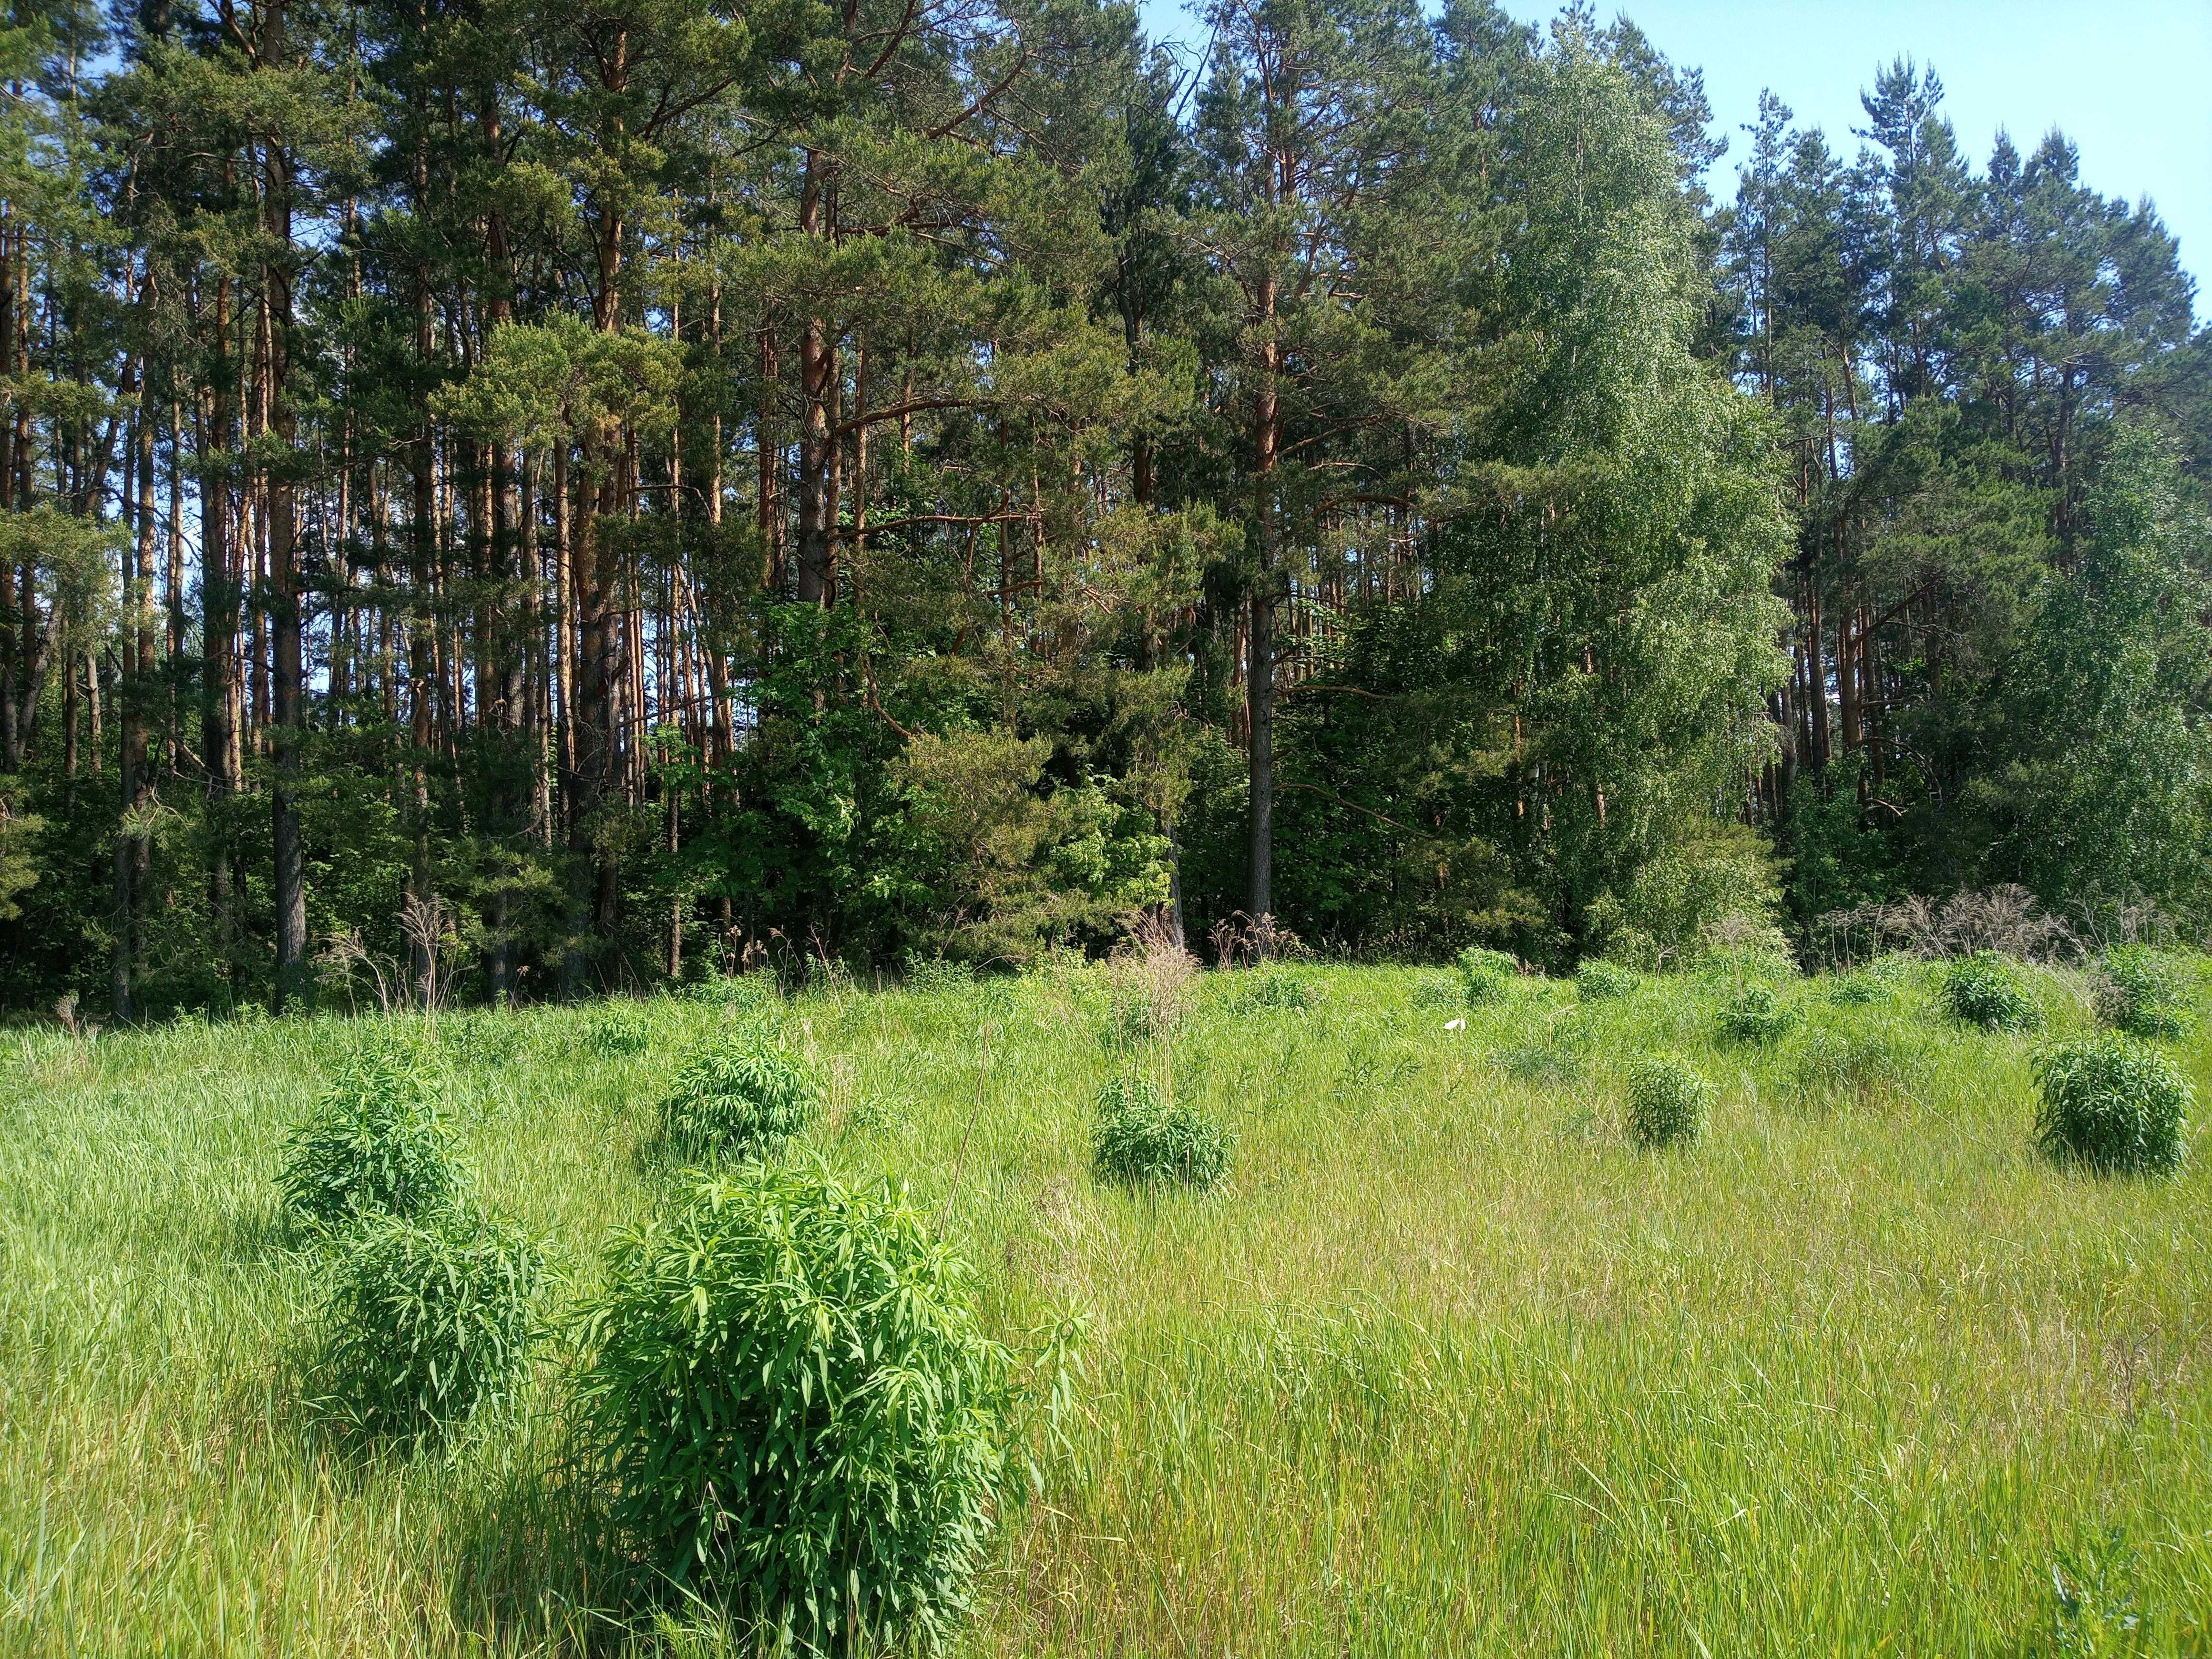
{"x": 2143, "y": 992}
{"x": 793, "y": 1411}
{"x": 745, "y": 1095}
{"x": 1984, "y": 989}
{"x": 1669, "y": 1099}
{"x": 428, "y": 1321}
{"x": 1140, "y": 1139}
{"x": 2112, "y": 1102}
{"x": 377, "y": 1141}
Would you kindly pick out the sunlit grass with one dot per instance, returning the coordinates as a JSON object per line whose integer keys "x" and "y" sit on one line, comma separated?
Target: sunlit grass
{"x": 1448, "y": 1365}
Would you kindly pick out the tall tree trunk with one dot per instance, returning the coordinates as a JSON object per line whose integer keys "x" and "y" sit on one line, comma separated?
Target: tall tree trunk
{"x": 289, "y": 710}
{"x": 1260, "y": 639}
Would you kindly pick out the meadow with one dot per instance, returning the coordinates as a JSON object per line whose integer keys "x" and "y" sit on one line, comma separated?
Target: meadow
{"x": 1448, "y": 1363}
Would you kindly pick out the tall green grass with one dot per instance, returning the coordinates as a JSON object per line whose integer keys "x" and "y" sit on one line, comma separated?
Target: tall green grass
{"x": 1451, "y": 1367}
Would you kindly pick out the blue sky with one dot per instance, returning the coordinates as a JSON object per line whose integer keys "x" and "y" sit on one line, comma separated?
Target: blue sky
{"x": 2129, "y": 81}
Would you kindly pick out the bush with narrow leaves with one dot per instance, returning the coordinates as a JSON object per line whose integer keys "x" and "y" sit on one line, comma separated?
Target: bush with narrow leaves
{"x": 376, "y": 1141}
{"x": 2112, "y": 1102}
{"x": 1597, "y": 981}
{"x": 1986, "y": 990}
{"x": 1487, "y": 976}
{"x": 1757, "y": 1013}
{"x": 616, "y": 1030}
{"x": 1274, "y": 988}
{"x": 1139, "y": 1140}
{"x": 428, "y": 1322}
{"x": 1667, "y": 1101}
{"x": 1860, "y": 990}
{"x": 1880, "y": 1062}
{"x": 2143, "y": 992}
{"x": 792, "y": 1409}
{"x": 744, "y": 1094}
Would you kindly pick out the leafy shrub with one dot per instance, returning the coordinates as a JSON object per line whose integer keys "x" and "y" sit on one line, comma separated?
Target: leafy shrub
{"x": 616, "y": 1030}
{"x": 1272, "y": 988}
{"x": 787, "y": 1394}
{"x": 481, "y": 1041}
{"x": 930, "y": 975}
{"x": 1433, "y": 991}
{"x": 1139, "y": 1140}
{"x": 2143, "y": 992}
{"x": 1597, "y": 981}
{"x": 2113, "y": 1102}
{"x": 1860, "y": 990}
{"x": 375, "y": 1141}
{"x": 1878, "y": 1063}
{"x": 1541, "y": 1065}
{"x": 429, "y": 1321}
{"x": 732, "y": 990}
{"x": 742, "y": 1095}
{"x": 1984, "y": 989}
{"x": 1667, "y": 1099}
{"x": 1756, "y": 1013}
{"x": 1487, "y": 974}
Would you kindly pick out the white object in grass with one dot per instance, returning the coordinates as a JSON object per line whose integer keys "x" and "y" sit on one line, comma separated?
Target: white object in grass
{"x": 1458, "y": 1025}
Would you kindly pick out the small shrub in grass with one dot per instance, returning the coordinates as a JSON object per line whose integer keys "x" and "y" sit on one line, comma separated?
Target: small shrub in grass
{"x": 2113, "y": 1103}
{"x": 1434, "y": 991}
{"x": 376, "y": 1141}
{"x": 427, "y": 1321}
{"x": 1274, "y": 988}
{"x": 2143, "y": 992}
{"x": 1597, "y": 981}
{"x": 1486, "y": 975}
{"x": 1984, "y": 989}
{"x": 1667, "y": 1099}
{"x": 743, "y": 1095}
{"x": 1139, "y": 1140}
{"x": 1879, "y": 1063}
{"x": 1860, "y": 990}
{"x": 616, "y": 1030}
{"x": 792, "y": 1407}
{"x": 1756, "y": 1013}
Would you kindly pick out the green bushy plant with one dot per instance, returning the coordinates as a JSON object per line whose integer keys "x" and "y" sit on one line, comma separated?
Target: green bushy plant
{"x": 1986, "y": 990}
{"x": 2143, "y": 992}
{"x": 1434, "y": 991}
{"x": 480, "y": 1041}
{"x": 375, "y": 1140}
{"x": 741, "y": 1095}
{"x": 1667, "y": 1101}
{"x": 1860, "y": 990}
{"x": 793, "y": 1407}
{"x": 615, "y": 1030}
{"x": 427, "y": 1321}
{"x": 2113, "y": 1103}
{"x": 1486, "y": 975}
{"x": 1756, "y": 1013}
{"x": 1139, "y": 1139}
{"x": 1879, "y": 1062}
{"x": 734, "y": 990}
{"x": 1271, "y": 987}
{"x": 1598, "y": 980}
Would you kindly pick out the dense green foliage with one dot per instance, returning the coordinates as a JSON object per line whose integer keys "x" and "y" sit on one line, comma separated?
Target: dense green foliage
{"x": 377, "y": 1141}
{"x": 788, "y": 1396}
{"x": 1757, "y": 1013}
{"x": 2143, "y": 992}
{"x": 1597, "y": 981}
{"x": 2114, "y": 1102}
{"x": 427, "y": 1320}
{"x": 489, "y": 516}
{"x": 741, "y": 1095}
{"x": 1667, "y": 1101}
{"x": 1486, "y": 975}
{"x": 1984, "y": 989}
{"x": 1140, "y": 1139}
